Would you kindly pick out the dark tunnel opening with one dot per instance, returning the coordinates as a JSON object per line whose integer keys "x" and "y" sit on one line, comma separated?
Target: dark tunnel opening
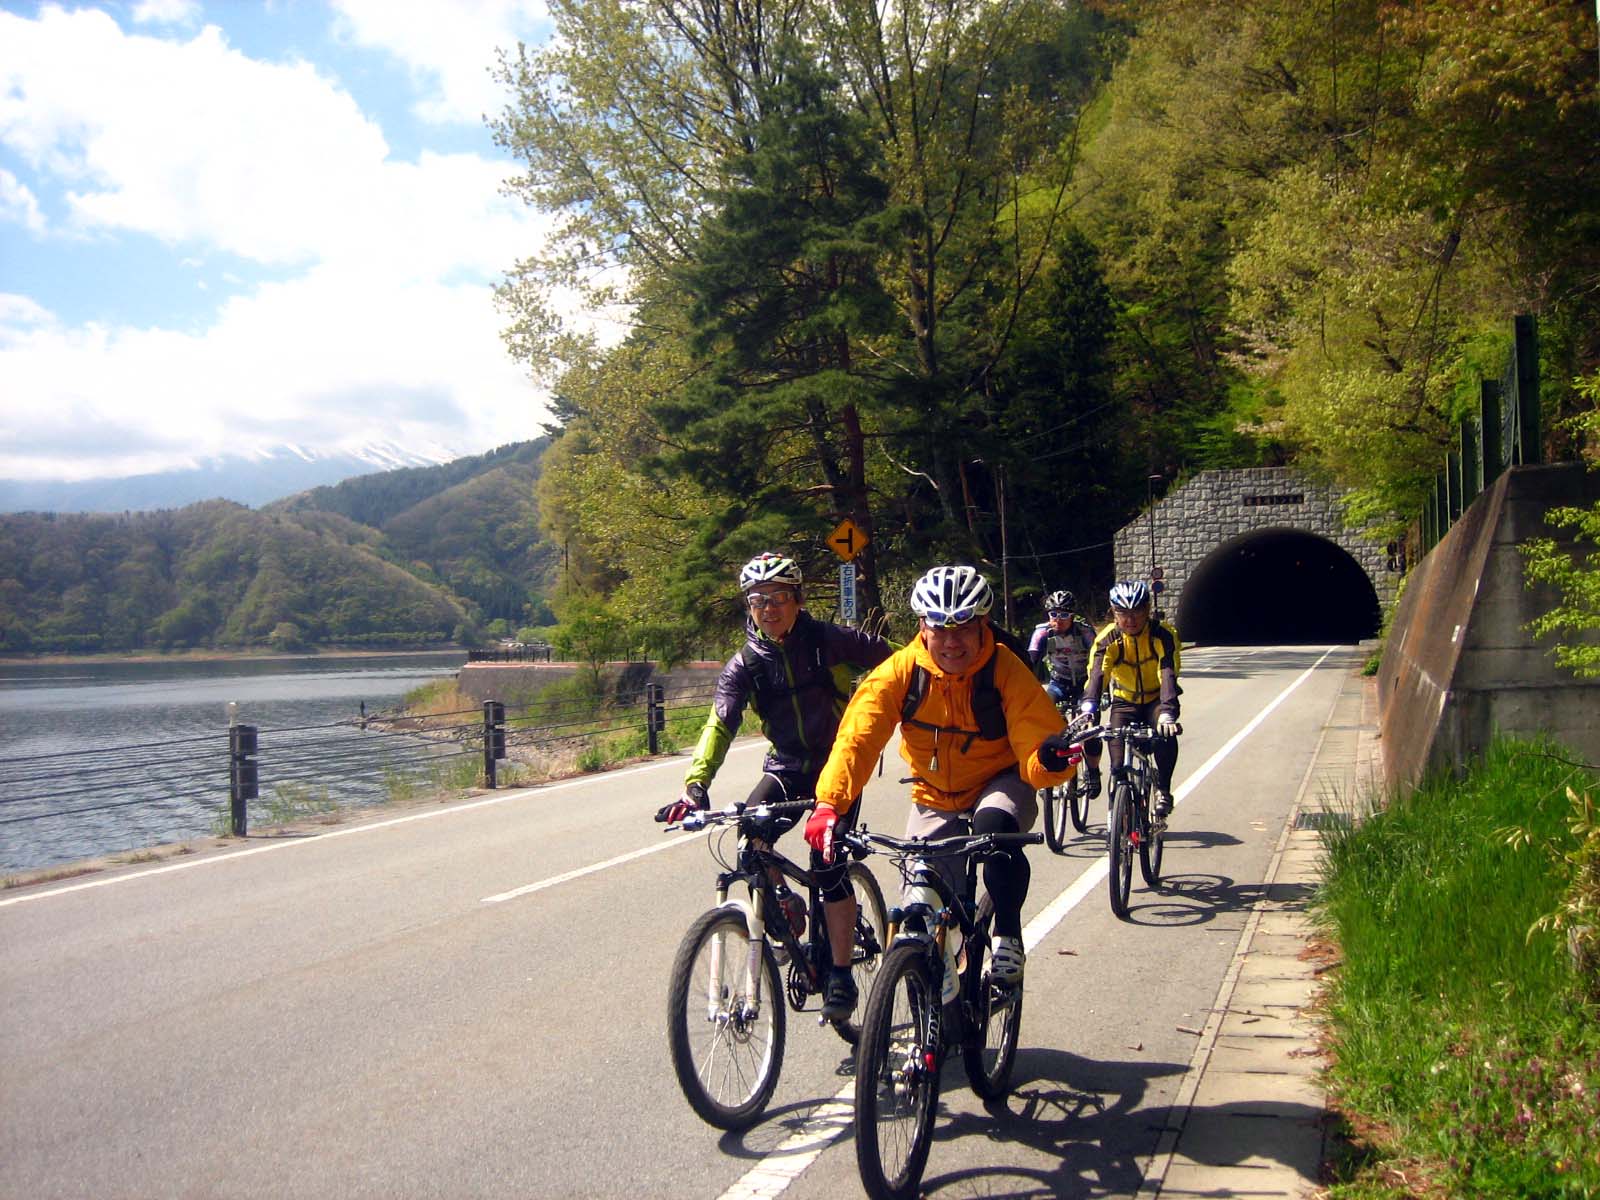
{"x": 1277, "y": 586}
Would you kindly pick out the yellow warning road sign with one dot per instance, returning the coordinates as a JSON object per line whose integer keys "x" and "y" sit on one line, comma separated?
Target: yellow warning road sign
{"x": 847, "y": 540}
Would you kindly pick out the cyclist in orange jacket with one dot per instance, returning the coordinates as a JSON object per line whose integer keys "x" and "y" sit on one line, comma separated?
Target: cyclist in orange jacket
{"x": 979, "y": 732}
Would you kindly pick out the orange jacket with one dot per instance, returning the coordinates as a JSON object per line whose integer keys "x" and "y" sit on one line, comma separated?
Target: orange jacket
{"x": 874, "y": 712}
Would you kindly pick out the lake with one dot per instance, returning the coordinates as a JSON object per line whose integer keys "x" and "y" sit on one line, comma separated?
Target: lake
{"x": 102, "y": 757}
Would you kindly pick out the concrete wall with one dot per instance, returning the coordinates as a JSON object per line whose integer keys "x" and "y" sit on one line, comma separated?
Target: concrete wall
{"x": 1459, "y": 665}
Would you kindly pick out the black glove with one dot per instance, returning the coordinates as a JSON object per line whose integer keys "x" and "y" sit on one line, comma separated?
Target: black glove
{"x": 1056, "y": 753}
{"x": 694, "y": 796}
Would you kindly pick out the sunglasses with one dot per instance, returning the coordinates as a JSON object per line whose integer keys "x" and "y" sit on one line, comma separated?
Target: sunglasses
{"x": 954, "y": 619}
{"x": 1057, "y": 616}
{"x": 776, "y": 599}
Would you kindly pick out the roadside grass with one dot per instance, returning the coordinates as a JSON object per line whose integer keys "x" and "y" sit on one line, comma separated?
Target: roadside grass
{"x": 1464, "y": 1051}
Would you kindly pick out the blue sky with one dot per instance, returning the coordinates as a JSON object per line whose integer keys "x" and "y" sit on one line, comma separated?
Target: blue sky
{"x": 234, "y": 225}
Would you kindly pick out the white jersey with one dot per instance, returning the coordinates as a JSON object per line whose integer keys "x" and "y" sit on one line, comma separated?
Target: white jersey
{"x": 1066, "y": 652}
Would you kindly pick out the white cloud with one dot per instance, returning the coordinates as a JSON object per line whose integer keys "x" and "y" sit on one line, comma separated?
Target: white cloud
{"x": 18, "y": 203}
{"x": 187, "y": 141}
{"x": 451, "y": 50}
{"x": 166, "y": 12}
{"x": 322, "y": 360}
{"x": 388, "y": 330}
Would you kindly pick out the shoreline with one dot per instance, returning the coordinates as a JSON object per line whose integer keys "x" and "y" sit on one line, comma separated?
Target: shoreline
{"x": 178, "y": 656}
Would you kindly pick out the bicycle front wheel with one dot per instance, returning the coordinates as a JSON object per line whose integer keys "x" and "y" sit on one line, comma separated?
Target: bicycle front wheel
{"x": 1078, "y": 803}
{"x": 726, "y": 1037}
{"x": 1152, "y": 844}
{"x": 1053, "y": 803}
{"x": 991, "y": 1050}
{"x": 871, "y": 936}
{"x": 897, "y": 1075}
{"x": 1120, "y": 840}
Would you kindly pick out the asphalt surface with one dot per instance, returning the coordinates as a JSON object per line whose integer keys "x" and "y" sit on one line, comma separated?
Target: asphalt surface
{"x": 466, "y": 999}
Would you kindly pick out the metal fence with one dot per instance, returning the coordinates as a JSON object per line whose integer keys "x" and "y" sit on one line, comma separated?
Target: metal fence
{"x": 248, "y": 776}
{"x": 1503, "y": 433}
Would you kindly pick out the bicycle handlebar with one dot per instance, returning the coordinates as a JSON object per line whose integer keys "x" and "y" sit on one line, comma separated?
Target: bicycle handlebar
{"x": 1136, "y": 732}
{"x": 738, "y": 811}
{"x": 970, "y": 843}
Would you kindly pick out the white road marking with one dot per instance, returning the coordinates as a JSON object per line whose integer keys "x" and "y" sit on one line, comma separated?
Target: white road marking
{"x": 431, "y": 814}
{"x": 769, "y": 1177}
{"x": 529, "y": 888}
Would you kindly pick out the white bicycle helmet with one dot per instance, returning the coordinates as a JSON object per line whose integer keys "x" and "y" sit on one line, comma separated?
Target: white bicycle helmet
{"x": 1130, "y": 593}
{"x": 769, "y": 568}
{"x": 1061, "y": 602}
{"x": 951, "y": 596}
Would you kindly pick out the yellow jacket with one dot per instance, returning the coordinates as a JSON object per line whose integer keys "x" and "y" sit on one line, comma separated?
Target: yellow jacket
{"x": 874, "y": 712}
{"x": 1139, "y": 667}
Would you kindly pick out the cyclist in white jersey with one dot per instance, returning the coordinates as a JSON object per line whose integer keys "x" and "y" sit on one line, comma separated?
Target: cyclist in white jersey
{"x": 1062, "y": 642}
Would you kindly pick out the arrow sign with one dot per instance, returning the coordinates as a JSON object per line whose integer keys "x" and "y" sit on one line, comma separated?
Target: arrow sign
{"x": 846, "y": 540}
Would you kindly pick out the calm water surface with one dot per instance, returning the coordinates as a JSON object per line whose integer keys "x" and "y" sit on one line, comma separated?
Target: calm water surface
{"x": 101, "y": 757}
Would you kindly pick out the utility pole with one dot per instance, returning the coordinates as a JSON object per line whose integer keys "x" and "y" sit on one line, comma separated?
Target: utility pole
{"x": 1005, "y": 557}
{"x": 1150, "y": 509}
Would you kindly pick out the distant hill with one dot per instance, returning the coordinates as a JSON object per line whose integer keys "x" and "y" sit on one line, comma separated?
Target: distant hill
{"x": 254, "y": 480}
{"x": 402, "y": 556}
{"x": 211, "y": 574}
{"x": 472, "y": 524}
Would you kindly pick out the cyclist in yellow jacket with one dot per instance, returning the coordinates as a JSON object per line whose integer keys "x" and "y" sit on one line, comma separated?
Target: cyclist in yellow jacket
{"x": 978, "y": 731}
{"x": 1136, "y": 658}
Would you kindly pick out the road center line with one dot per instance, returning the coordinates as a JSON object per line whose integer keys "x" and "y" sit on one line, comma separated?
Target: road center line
{"x": 836, "y": 1116}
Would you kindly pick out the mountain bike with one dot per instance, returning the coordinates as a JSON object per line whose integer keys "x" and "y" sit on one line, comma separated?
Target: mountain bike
{"x": 924, "y": 1002}
{"x": 725, "y": 1019}
{"x": 1133, "y": 827}
{"x": 1063, "y": 802}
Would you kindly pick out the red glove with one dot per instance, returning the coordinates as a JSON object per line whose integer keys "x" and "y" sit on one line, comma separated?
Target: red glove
{"x": 694, "y": 797}
{"x": 1056, "y": 753}
{"x": 819, "y": 831}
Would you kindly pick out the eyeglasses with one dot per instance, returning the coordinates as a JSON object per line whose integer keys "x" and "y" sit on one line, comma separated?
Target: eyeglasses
{"x": 1058, "y": 616}
{"x": 773, "y": 599}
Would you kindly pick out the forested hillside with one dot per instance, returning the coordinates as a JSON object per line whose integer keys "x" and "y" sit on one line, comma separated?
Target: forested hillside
{"x": 969, "y": 273}
{"x": 211, "y": 574}
{"x": 456, "y": 548}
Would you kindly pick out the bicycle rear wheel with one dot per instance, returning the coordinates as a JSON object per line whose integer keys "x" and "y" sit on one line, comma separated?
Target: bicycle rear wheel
{"x": 871, "y": 936}
{"x": 990, "y": 1050}
{"x": 1152, "y": 844}
{"x": 1119, "y": 845}
{"x": 727, "y": 1048}
{"x": 1053, "y": 803}
{"x": 897, "y": 1077}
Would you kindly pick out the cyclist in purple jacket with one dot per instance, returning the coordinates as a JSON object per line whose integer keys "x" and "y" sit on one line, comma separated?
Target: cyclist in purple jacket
{"x": 797, "y": 672}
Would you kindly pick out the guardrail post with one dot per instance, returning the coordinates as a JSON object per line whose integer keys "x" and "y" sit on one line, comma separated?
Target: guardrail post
{"x": 494, "y": 738}
{"x": 1489, "y": 425}
{"x": 243, "y": 775}
{"x": 1471, "y": 464}
{"x": 1526, "y": 336}
{"x": 655, "y": 715}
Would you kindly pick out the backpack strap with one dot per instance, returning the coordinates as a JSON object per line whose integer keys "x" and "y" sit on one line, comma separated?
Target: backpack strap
{"x": 987, "y": 706}
{"x": 812, "y": 656}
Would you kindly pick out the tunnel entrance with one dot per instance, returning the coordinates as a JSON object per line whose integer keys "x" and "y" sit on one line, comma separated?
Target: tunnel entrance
{"x": 1273, "y": 586}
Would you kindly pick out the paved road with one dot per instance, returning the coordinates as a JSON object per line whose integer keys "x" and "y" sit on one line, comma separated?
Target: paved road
{"x": 467, "y": 1000}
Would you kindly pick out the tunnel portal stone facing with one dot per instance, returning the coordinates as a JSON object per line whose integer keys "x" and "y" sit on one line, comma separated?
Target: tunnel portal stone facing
{"x": 1216, "y": 508}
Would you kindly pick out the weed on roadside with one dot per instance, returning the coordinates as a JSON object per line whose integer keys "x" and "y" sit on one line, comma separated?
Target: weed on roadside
{"x": 1463, "y": 1046}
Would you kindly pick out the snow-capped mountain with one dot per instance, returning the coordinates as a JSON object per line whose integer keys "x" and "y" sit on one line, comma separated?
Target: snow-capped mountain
{"x": 254, "y": 479}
